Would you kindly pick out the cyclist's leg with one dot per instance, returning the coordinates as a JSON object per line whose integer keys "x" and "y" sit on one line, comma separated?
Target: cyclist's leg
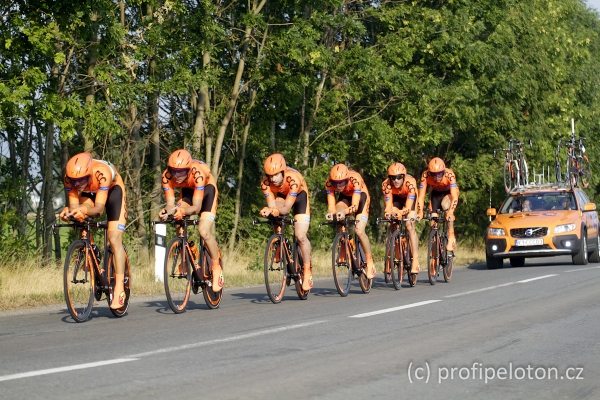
{"x": 451, "y": 245}
{"x": 301, "y": 211}
{"x": 116, "y": 213}
{"x": 414, "y": 243}
{"x": 205, "y": 228}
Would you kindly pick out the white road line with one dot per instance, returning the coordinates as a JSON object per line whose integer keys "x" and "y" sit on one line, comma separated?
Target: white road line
{"x": 387, "y": 310}
{"x": 480, "y": 290}
{"x": 135, "y": 357}
{"x": 226, "y": 339}
{"x": 64, "y": 369}
{"x": 582, "y": 269}
{"x": 537, "y": 278}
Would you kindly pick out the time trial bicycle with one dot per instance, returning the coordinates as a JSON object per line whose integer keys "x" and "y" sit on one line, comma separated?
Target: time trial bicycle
{"x": 398, "y": 254}
{"x": 89, "y": 271}
{"x": 439, "y": 259}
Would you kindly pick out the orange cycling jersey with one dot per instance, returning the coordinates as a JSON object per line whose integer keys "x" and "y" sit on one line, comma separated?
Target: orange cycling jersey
{"x": 198, "y": 178}
{"x": 355, "y": 188}
{"x": 103, "y": 178}
{"x": 407, "y": 192}
{"x": 105, "y": 188}
{"x": 293, "y": 184}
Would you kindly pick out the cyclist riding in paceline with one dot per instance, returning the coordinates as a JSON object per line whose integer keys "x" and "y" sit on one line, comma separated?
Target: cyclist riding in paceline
{"x": 92, "y": 187}
{"x": 443, "y": 194}
{"x": 198, "y": 196}
{"x": 285, "y": 190}
{"x": 353, "y": 199}
{"x": 399, "y": 195}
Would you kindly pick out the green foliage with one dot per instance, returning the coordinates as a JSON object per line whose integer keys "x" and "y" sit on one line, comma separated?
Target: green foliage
{"x": 371, "y": 83}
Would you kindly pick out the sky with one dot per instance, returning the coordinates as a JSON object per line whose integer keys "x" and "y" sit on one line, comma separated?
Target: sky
{"x": 594, "y": 4}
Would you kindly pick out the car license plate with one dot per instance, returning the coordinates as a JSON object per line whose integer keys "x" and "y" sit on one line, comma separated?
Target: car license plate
{"x": 529, "y": 242}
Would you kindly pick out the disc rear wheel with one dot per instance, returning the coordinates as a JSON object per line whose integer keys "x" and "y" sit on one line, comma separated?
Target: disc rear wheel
{"x": 211, "y": 298}
{"x": 299, "y": 268}
{"x": 118, "y": 312}
{"x": 364, "y": 282}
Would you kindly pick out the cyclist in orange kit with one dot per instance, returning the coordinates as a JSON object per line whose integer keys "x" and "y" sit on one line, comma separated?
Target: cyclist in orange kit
{"x": 353, "y": 199}
{"x": 399, "y": 195}
{"x": 199, "y": 196}
{"x": 93, "y": 186}
{"x": 285, "y": 190}
{"x": 443, "y": 196}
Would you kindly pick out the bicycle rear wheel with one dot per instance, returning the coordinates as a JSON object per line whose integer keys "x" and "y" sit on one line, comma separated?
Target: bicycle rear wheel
{"x": 433, "y": 256}
{"x": 523, "y": 172}
{"x": 275, "y": 268}
{"x": 449, "y": 261}
{"x": 363, "y": 281}
{"x": 177, "y": 276}
{"x": 78, "y": 282}
{"x": 110, "y": 272}
{"x": 393, "y": 251}
{"x": 299, "y": 266}
{"x": 340, "y": 264}
{"x": 211, "y": 298}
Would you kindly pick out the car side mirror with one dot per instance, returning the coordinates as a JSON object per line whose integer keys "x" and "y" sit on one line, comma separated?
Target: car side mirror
{"x": 490, "y": 212}
{"x": 589, "y": 207}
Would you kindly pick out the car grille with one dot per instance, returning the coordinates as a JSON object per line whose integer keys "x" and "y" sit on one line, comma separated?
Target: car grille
{"x": 529, "y": 232}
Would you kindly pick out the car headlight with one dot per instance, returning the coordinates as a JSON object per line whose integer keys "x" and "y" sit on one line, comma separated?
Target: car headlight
{"x": 495, "y": 232}
{"x": 564, "y": 228}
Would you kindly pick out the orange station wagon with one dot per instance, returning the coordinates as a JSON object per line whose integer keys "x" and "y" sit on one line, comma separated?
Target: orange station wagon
{"x": 543, "y": 221}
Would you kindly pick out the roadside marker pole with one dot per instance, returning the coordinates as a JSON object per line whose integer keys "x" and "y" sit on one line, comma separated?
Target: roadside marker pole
{"x": 160, "y": 244}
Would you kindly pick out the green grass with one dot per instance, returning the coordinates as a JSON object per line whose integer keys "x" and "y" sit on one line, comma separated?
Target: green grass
{"x": 27, "y": 283}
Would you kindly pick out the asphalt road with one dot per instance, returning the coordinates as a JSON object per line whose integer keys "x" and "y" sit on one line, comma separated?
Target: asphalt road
{"x": 528, "y": 332}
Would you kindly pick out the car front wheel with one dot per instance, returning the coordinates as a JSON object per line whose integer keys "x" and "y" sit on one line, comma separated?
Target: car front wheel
{"x": 493, "y": 262}
{"x": 581, "y": 257}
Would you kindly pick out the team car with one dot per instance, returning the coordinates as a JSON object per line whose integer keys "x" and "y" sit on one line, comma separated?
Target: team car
{"x": 542, "y": 221}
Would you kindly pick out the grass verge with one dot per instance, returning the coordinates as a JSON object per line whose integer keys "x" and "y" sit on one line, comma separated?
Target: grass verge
{"x": 27, "y": 283}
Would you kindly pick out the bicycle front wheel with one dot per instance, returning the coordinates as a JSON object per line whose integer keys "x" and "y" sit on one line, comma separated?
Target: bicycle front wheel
{"x": 340, "y": 264}
{"x": 275, "y": 268}
{"x": 433, "y": 256}
{"x": 510, "y": 177}
{"x": 395, "y": 263}
{"x": 78, "y": 282}
{"x": 177, "y": 276}
{"x": 119, "y": 312}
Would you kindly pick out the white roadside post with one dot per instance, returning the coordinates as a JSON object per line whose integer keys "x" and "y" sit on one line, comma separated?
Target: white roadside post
{"x": 160, "y": 244}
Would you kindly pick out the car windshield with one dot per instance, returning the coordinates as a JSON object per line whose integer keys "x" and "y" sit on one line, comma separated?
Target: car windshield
{"x": 538, "y": 202}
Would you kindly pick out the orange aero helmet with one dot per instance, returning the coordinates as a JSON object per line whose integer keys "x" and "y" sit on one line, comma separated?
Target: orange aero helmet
{"x": 396, "y": 169}
{"x": 274, "y": 164}
{"x": 339, "y": 172}
{"x": 436, "y": 165}
{"x": 79, "y": 166}
{"x": 180, "y": 159}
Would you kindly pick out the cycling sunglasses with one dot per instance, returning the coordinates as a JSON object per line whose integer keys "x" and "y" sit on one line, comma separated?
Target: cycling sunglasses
{"x": 436, "y": 174}
{"x": 398, "y": 177}
{"x": 179, "y": 172}
{"x": 340, "y": 182}
{"x": 78, "y": 182}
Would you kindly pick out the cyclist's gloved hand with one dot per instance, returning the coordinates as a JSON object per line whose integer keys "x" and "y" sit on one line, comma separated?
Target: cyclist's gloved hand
{"x": 64, "y": 214}
{"x": 450, "y": 217}
{"x": 265, "y": 212}
{"x": 163, "y": 214}
{"x": 419, "y": 215}
{"x": 329, "y": 216}
{"x": 275, "y": 212}
{"x": 340, "y": 215}
{"x": 387, "y": 215}
{"x": 80, "y": 214}
{"x": 179, "y": 213}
